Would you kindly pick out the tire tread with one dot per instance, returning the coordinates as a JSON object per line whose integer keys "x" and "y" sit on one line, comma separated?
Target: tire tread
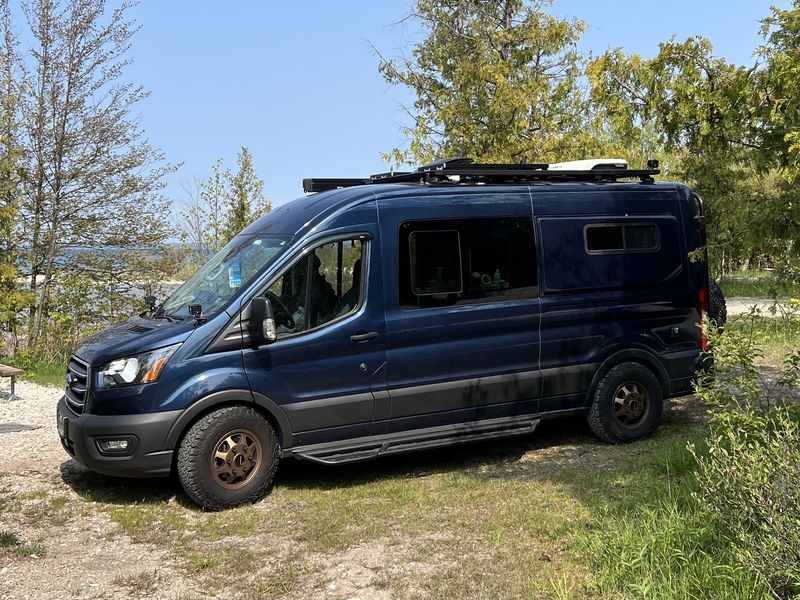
{"x": 599, "y": 423}
{"x": 190, "y": 458}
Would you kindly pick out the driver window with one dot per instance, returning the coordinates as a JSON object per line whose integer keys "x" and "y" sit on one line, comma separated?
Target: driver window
{"x": 322, "y": 286}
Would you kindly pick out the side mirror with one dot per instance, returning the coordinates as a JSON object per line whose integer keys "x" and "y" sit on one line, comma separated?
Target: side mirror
{"x": 261, "y": 326}
{"x": 150, "y": 301}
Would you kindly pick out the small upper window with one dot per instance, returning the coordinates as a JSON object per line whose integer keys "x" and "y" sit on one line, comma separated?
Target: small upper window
{"x": 623, "y": 237}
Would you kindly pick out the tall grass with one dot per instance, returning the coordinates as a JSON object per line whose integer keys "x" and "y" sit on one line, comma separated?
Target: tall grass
{"x": 659, "y": 541}
{"x": 756, "y": 284}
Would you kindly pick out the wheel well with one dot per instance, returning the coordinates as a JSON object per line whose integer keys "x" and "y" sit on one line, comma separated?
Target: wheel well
{"x": 216, "y": 406}
{"x": 646, "y": 359}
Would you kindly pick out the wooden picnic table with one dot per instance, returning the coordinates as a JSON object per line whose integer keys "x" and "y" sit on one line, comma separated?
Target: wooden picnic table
{"x": 12, "y": 372}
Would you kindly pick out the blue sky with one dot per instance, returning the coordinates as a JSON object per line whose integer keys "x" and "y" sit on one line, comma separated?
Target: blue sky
{"x": 297, "y": 83}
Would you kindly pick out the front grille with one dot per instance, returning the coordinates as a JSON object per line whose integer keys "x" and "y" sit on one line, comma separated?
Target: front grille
{"x": 77, "y": 384}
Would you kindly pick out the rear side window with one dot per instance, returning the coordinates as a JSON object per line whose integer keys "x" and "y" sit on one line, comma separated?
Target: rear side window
{"x": 466, "y": 261}
{"x": 621, "y": 237}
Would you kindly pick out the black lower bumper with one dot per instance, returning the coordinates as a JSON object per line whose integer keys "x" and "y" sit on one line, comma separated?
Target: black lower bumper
{"x": 145, "y": 455}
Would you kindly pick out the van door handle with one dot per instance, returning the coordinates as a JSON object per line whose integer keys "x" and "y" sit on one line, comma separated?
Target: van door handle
{"x": 364, "y": 336}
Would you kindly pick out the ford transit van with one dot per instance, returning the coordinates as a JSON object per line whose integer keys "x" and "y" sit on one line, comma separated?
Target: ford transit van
{"x": 455, "y": 303}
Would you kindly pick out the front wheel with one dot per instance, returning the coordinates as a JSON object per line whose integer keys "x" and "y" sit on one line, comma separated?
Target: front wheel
{"x": 627, "y": 404}
{"x": 228, "y": 457}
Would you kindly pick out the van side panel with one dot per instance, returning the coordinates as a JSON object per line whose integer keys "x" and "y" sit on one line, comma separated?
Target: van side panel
{"x": 463, "y": 362}
{"x": 595, "y": 305}
{"x": 568, "y": 266}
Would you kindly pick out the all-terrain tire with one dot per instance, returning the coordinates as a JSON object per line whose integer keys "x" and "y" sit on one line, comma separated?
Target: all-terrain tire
{"x": 627, "y": 404}
{"x": 251, "y": 442}
{"x": 717, "y": 310}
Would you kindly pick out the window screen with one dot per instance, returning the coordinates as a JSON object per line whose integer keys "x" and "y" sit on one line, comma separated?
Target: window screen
{"x": 623, "y": 237}
{"x": 466, "y": 261}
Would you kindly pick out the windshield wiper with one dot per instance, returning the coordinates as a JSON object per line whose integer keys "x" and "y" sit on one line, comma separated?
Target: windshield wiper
{"x": 170, "y": 318}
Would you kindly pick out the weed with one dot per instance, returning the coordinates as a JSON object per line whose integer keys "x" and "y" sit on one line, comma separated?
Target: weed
{"x": 9, "y": 542}
{"x": 139, "y": 584}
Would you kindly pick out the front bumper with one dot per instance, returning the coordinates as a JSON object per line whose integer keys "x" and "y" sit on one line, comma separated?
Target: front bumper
{"x": 146, "y": 434}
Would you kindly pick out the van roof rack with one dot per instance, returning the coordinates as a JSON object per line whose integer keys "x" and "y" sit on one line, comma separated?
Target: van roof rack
{"x": 465, "y": 170}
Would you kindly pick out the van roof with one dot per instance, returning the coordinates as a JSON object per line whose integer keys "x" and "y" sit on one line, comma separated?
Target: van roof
{"x": 308, "y": 211}
{"x": 465, "y": 170}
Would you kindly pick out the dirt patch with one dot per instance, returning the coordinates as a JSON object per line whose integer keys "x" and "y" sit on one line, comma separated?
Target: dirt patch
{"x": 85, "y": 555}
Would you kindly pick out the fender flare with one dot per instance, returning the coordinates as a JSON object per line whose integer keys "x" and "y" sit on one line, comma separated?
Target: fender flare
{"x": 226, "y": 397}
{"x": 632, "y": 355}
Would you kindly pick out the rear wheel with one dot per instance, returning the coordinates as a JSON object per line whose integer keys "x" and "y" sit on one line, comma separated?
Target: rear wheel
{"x": 229, "y": 457}
{"x": 627, "y": 404}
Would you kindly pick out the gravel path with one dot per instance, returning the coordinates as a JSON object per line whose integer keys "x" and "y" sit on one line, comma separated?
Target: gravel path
{"x": 84, "y": 557}
{"x": 739, "y": 306}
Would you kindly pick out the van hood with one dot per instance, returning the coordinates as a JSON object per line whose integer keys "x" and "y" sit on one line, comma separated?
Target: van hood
{"x": 132, "y": 337}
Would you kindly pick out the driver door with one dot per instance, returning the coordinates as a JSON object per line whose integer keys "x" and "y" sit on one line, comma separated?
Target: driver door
{"x": 330, "y": 355}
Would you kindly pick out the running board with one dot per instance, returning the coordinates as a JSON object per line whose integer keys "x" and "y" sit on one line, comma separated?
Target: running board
{"x": 365, "y": 448}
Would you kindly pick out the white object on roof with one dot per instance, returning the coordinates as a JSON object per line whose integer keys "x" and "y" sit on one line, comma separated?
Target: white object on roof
{"x": 589, "y": 164}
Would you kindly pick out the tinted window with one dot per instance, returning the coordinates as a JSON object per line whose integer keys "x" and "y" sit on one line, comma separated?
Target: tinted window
{"x": 604, "y": 237}
{"x": 466, "y": 261}
{"x": 322, "y": 286}
{"x": 435, "y": 261}
{"x": 641, "y": 237}
{"x": 634, "y": 237}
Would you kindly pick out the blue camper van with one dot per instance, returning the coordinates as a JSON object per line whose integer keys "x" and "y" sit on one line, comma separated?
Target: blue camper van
{"x": 455, "y": 303}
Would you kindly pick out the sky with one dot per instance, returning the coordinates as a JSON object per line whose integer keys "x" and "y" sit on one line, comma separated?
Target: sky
{"x": 297, "y": 82}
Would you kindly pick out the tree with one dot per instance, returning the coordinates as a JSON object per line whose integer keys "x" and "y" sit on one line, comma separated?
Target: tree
{"x": 89, "y": 177}
{"x": 218, "y": 208}
{"x": 728, "y": 129}
{"x": 779, "y": 89}
{"x": 12, "y": 299}
{"x": 245, "y": 199}
{"x": 496, "y": 81}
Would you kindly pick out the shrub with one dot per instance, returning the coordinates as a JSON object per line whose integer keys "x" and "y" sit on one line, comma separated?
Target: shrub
{"x": 749, "y": 476}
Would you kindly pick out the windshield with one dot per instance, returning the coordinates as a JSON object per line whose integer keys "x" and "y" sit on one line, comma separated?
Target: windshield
{"x": 221, "y": 277}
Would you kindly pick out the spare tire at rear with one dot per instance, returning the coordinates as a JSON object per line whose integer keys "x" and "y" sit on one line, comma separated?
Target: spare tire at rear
{"x": 717, "y": 310}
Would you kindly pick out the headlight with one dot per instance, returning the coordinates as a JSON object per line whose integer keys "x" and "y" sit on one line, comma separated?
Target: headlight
{"x": 133, "y": 370}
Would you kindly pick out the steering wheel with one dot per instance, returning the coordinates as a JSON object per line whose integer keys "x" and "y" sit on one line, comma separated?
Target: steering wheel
{"x": 282, "y": 314}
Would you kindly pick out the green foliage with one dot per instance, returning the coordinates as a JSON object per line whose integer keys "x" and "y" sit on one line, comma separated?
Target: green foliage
{"x": 504, "y": 82}
{"x": 749, "y": 477}
{"x": 730, "y": 132}
{"x": 222, "y": 206}
{"x": 497, "y": 81}
{"x": 757, "y": 284}
{"x": 77, "y": 171}
{"x": 12, "y": 299}
{"x": 779, "y": 89}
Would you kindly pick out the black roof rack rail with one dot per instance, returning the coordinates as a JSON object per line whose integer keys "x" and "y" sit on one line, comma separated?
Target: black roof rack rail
{"x": 465, "y": 170}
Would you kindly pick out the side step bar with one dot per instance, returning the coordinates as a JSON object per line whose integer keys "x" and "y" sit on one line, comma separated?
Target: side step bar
{"x": 365, "y": 448}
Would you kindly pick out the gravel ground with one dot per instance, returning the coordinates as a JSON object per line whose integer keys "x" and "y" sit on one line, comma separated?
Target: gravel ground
{"x": 84, "y": 557}
{"x": 739, "y": 306}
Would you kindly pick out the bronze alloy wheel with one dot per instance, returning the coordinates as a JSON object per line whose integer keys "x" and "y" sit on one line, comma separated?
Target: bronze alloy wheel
{"x": 631, "y": 404}
{"x": 236, "y": 459}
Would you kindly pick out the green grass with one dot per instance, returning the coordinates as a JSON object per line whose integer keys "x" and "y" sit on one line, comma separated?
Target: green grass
{"x": 11, "y": 544}
{"x": 43, "y": 372}
{"x": 755, "y": 284}
{"x": 556, "y": 515}
{"x": 777, "y": 335}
